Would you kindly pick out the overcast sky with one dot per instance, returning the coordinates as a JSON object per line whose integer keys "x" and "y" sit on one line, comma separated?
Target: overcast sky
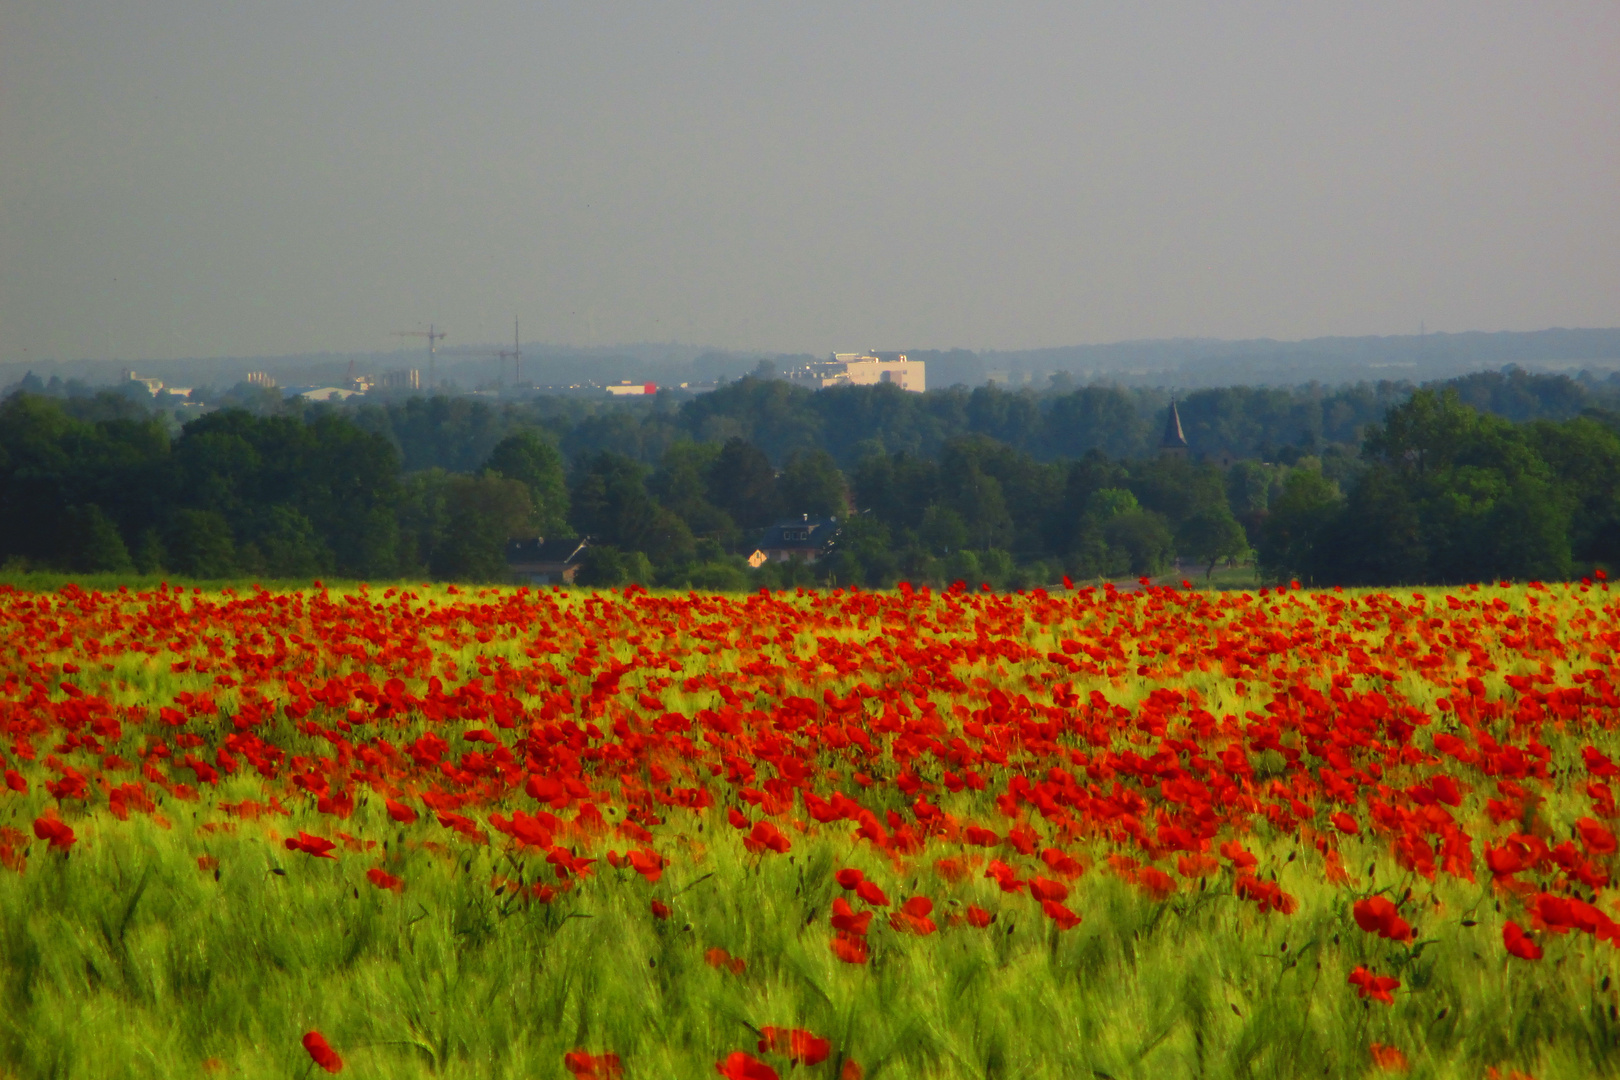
{"x": 204, "y": 179}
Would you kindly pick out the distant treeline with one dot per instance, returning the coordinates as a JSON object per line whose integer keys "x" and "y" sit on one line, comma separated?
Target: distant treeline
{"x": 1491, "y": 475}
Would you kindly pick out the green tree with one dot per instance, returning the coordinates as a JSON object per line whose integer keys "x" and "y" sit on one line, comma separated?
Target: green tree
{"x": 1249, "y": 489}
{"x": 721, "y": 576}
{"x": 1451, "y": 496}
{"x": 150, "y": 556}
{"x": 943, "y": 530}
{"x": 200, "y": 544}
{"x": 1295, "y": 524}
{"x": 681, "y": 484}
{"x": 527, "y": 457}
{"x": 1143, "y": 538}
{"x": 348, "y": 489}
{"x": 863, "y": 554}
{"x": 1210, "y": 535}
{"x": 481, "y": 514}
{"x": 1175, "y": 487}
{"x": 1375, "y": 538}
{"x": 963, "y": 566}
{"x": 1105, "y": 504}
{"x": 997, "y": 567}
{"x": 977, "y": 497}
{"x": 666, "y": 540}
{"x": 811, "y": 484}
{"x": 289, "y": 545}
{"x": 608, "y": 494}
{"x": 603, "y": 566}
{"x": 93, "y": 544}
{"x": 1584, "y": 455}
{"x": 743, "y": 484}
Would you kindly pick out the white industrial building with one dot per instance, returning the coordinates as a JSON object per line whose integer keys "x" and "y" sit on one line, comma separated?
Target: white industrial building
{"x": 864, "y": 369}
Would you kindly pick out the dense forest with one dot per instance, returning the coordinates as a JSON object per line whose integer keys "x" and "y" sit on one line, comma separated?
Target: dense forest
{"x": 1494, "y": 475}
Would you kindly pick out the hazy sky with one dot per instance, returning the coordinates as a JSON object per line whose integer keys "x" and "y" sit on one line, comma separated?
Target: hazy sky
{"x": 200, "y": 179}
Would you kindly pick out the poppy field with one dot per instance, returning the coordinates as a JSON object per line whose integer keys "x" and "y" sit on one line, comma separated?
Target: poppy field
{"x": 1159, "y": 832}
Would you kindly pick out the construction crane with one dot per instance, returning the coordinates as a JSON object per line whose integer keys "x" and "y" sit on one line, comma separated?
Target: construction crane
{"x": 516, "y": 355}
{"x": 434, "y": 335}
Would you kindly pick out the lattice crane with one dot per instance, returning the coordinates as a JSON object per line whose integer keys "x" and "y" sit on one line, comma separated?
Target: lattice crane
{"x": 434, "y": 336}
{"x": 516, "y": 355}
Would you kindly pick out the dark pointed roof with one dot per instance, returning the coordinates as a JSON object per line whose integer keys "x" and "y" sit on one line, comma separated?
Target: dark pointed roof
{"x": 807, "y": 533}
{"x": 564, "y": 552}
{"x": 1173, "y": 438}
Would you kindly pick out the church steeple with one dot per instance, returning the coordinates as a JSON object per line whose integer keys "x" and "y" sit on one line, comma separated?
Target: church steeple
{"x": 1174, "y": 441}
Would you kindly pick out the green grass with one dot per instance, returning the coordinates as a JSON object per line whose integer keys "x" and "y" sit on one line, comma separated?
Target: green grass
{"x": 123, "y": 958}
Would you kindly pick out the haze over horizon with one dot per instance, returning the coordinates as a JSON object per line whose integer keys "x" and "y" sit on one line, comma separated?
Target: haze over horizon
{"x": 183, "y": 180}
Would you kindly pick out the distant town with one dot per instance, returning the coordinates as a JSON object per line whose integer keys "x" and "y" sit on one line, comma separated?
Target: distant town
{"x": 519, "y": 370}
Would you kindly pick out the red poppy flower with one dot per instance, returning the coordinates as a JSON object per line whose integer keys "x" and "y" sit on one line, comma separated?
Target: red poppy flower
{"x": 318, "y": 846}
{"x": 977, "y": 916}
{"x": 1047, "y": 889}
{"x": 649, "y": 864}
{"x": 1004, "y": 876}
{"x": 737, "y": 818}
{"x": 798, "y": 1045}
{"x": 766, "y": 837}
{"x": 849, "y": 948}
{"x": 1155, "y": 882}
{"x": 1066, "y": 866}
{"x": 1598, "y": 840}
{"x": 1377, "y": 987}
{"x": 869, "y": 892}
{"x": 1196, "y": 865}
{"x": 1058, "y": 913}
{"x": 912, "y": 918}
{"x": 660, "y": 909}
{"x": 399, "y": 812}
{"x": 1378, "y": 915}
{"x": 321, "y": 1052}
{"x": 593, "y": 1067}
{"x": 1267, "y": 895}
{"x": 846, "y": 921}
{"x": 849, "y": 877}
{"x": 740, "y": 1065}
{"x": 1517, "y": 942}
{"x": 1549, "y": 912}
{"x": 1240, "y": 858}
{"x": 719, "y": 958}
{"x": 1503, "y": 862}
{"x": 1388, "y": 1058}
{"x": 59, "y": 833}
{"x": 1345, "y": 823}
{"x": 15, "y": 781}
{"x": 384, "y": 880}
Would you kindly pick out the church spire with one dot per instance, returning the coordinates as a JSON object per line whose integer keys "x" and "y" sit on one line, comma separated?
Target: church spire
{"x": 1174, "y": 441}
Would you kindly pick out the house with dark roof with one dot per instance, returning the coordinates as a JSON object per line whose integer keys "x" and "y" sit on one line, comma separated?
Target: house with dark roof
{"x": 545, "y": 562}
{"x": 807, "y": 539}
